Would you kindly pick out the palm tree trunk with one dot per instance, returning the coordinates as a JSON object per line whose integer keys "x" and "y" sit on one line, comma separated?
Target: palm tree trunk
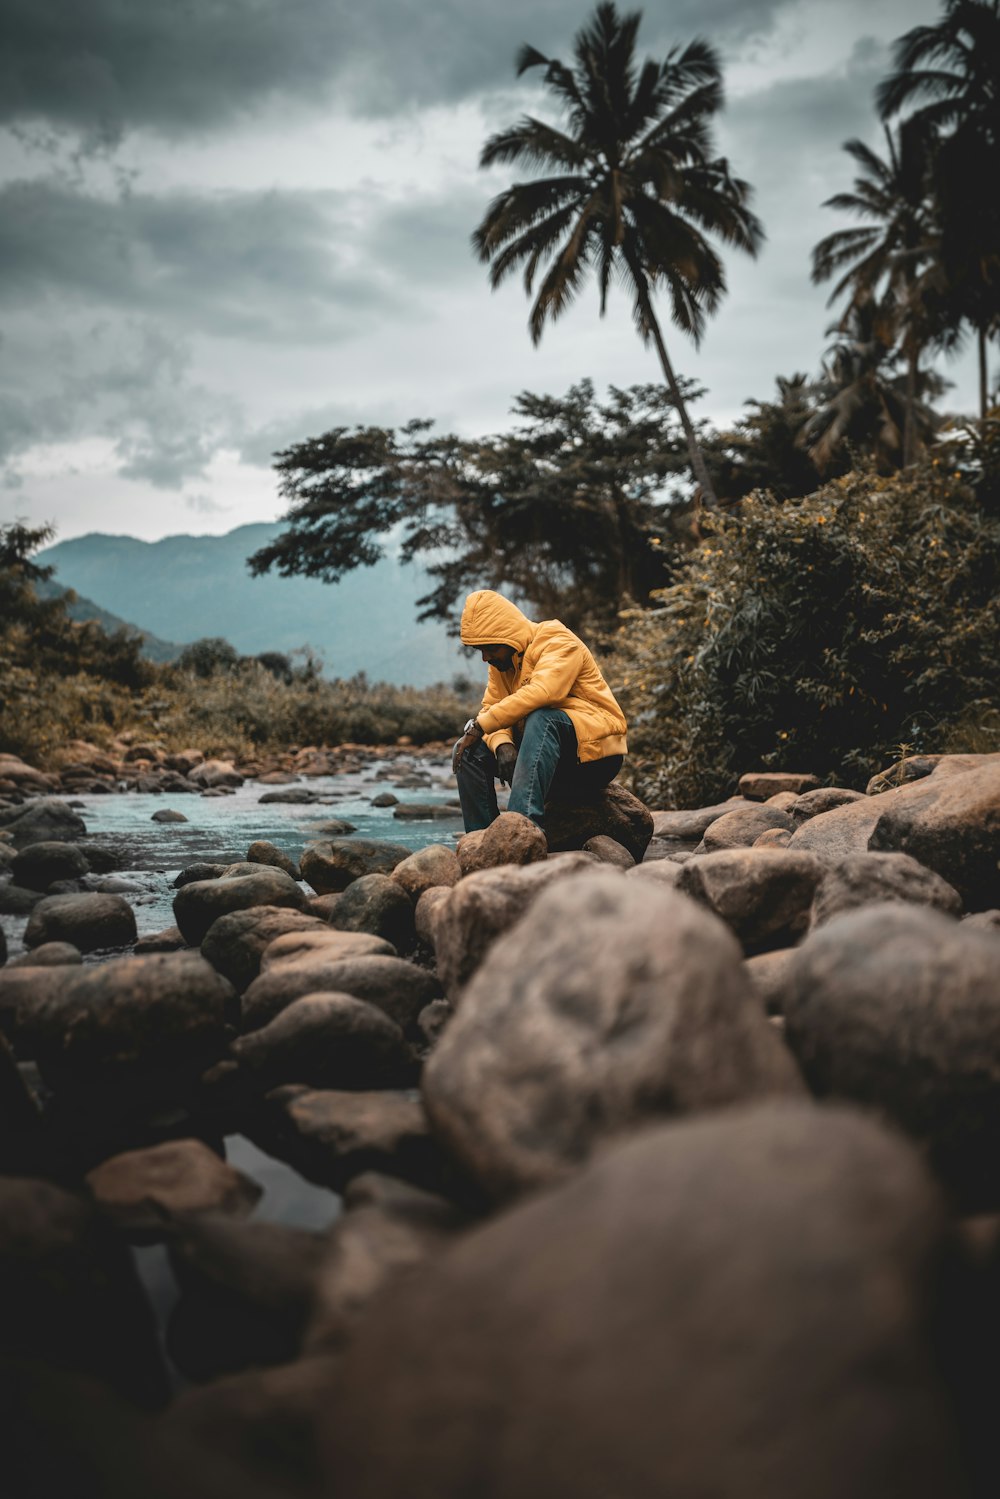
{"x": 709, "y": 497}
{"x": 983, "y": 392}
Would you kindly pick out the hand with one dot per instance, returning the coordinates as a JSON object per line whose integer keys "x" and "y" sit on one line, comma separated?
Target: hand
{"x": 506, "y": 761}
{"x": 472, "y": 735}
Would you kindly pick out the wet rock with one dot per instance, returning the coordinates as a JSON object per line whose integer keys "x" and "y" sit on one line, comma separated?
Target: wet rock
{"x": 427, "y": 812}
{"x": 331, "y": 866}
{"x": 609, "y": 1003}
{"x": 703, "y": 1254}
{"x": 89, "y": 921}
{"x": 199, "y": 904}
{"x": 429, "y": 904}
{"x": 144, "y": 1192}
{"x": 376, "y": 903}
{"x": 328, "y": 1040}
{"x": 48, "y": 955}
{"x": 609, "y": 851}
{"x": 167, "y": 814}
{"x": 615, "y": 813}
{"x": 199, "y": 872}
{"x": 46, "y": 820}
{"x": 741, "y": 827}
{"x": 331, "y": 1137}
{"x": 234, "y": 943}
{"x": 334, "y": 827}
{"x": 688, "y": 826}
{"x": 509, "y": 839}
{"x": 823, "y": 799}
{"x": 763, "y": 894}
{"x": 894, "y": 1007}
{"x": 427, "y": 869}
{"x": 213, "y": 774}
{"x": 861, "y": 879}
{"x": 293, "y": 796}
{"x": 951, "y": 823}
{"x": 398, "y": 988}
{"x": 758, "y": 785}
{"x": 843, "y": 830}
{"x": 15, "y": 900}
{"x": 385, "y": 799}
{"x": 38, "y": 865}
{"x": 326, "y": 942}
{"x": 169, "y": 940}
{"x": 263, "y": 852}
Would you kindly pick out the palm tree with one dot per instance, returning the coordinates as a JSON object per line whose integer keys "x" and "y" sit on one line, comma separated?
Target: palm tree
{"x": 952, "y": 72}
{"x": 634, "y": 190}
{"x": 894, "y": 257}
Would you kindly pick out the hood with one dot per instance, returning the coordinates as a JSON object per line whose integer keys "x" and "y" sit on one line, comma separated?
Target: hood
{"x": 490, "y": 619}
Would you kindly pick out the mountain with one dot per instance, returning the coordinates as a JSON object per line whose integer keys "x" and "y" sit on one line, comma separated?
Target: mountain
{"x": 184, "y": 588}
{"x": 80, "y": 608}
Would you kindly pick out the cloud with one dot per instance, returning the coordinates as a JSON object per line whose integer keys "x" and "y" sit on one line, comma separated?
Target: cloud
{"x": 100, "y": 67}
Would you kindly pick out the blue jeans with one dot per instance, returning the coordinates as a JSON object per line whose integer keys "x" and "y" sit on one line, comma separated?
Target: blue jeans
{"x": 547, "y": 768}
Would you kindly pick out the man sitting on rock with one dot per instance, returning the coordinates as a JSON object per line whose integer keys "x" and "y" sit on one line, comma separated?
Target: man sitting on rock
{"x": 549, "y": 724}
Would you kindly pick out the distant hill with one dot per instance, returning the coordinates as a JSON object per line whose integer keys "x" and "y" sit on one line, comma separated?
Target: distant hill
{"x": 80, "y": 608}
{"x": 186, "y": 587}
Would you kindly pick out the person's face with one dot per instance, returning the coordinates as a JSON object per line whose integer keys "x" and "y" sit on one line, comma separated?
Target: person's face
{"x": 500, "y": 656}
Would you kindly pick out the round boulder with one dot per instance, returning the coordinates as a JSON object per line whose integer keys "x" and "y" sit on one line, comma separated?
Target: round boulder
{"x": 44, "y": 820}
{"x": 398, "y": 988}
{"x": 763, "y": 894}
{"x": 235, "y": 943}
{"x": 89, "y": 921}
{"x": 263, "y": 852}
{"x": 428, "y": 869}
{"x": 743, "y": 826}
{"x": 614, "y": 813}
{"x": 199, "y": 904}
{"x": 39, "y": 865}
{"x": 510, "y": 839}
{"x": 328, "y": 1041}
{"x": 861, "y": 879}
{"x": 331, "y": 866}
{"x": 145, "y": 1191}
{"x": 377, "y": 904}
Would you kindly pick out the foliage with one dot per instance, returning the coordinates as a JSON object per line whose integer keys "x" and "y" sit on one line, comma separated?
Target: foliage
{"x": 819, "y": 635}
{"x": 208, "y": 656}
{"x": 765, "y": 448}
{"x": 634, "y": 192}
{"x": 568, "y": 510}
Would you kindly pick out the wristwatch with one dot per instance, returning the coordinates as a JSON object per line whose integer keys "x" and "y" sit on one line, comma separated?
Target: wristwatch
{"x": 474, "y": 727}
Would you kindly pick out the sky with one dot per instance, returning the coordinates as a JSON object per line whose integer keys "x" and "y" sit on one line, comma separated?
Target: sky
{"x": 230, "y": 225}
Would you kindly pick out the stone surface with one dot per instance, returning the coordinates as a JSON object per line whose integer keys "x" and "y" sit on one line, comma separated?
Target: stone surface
{"x": 38, "y": 865}
{"x": 758, "y": 785}
{"x": 741, "y": 827}
{"x": 49, "y": 955}
{"x": 659, "y": 872}
{"x": 951, "y": 823}
{"x": 376, "y": 904}
{"x": 609, "y": 851}
{"x": 199, "y": 904}
{"x": 42, "y": 821}
{"x": 330, "y": 867}
{"x": 263, "y": 852}
{"x": 428, "y": 869}
{"x": 326, "y": 941}
{"x": 15, "y": 900}
{"x": 145, "y": 1191}
{"x": 328, "y": 1040}
{"x": 167, "y": 814}
{"x": 397, "y": 987}
{"x": 430, "y": 904}
{"x": 168, "y": 940}
{"x": 688, "y": 826}
{"x": 663, "y": 1324}
{"x": 615, "y": 813}
{"x": 763, "y": 894}
{"x": 609, "y": 1003}
{"x": 767, "y": 972}
{"x": 843, "y": 830}
{"x": 203, "y": 870}
{"x": 235, "y": 943}
{"x": 861, "y": 879}
{"x": 895, "y": 1007}
{"x": 89, "y": 921}
{"x": 823, "y": 799}
{"x": 509, "y": 839}
{"x": 773, "y": 838}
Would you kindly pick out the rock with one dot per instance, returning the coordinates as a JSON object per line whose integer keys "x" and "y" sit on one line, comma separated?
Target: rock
{"x": 608, "y": 851}
{"x": 293, "y": 796}
{"x": 835, "y": 834}
{"x": 689, "y": 826}
{"x": 983, "y": 921}
{"x": 763, "y": 894}
{"x": 739, "y": 828}
{"x": 145, "y": 1191}
{"x": 213, "y": 774}
{"x": 709, "y": 1358}
{"x": 823, "y": 799}
{"x": 38, "y": 865}
{"x": 46, "y": 820}
{"x": 184, "y": 761}
{"x": 481, "y": 906}
{"x": 331, "y": 1137}
{"x": 385, "y": 799}
{"x": 239, "y": 869}
{"x": 429, "y": 868}
{"x": 169, "y": 940}
{"x": 767, "y": 972}
{"x": 89, "y": 921}
{"x": 69, "y": 1294}
{"x": 166, "y": 814}
{"x": 263, "y": 852}
{"x": 615, "y": 812}
{"x": 375, "y": 903}
{"x": 659, "y": 872}
{"x": 425, "y": 916}
{"x": 328, "y": 1040}
{"x": 610, "y": 1002}
{"x": 861, "y": 879}
{"x": 950, "y": 823}
{"x": 509, "y": 839}
{"x": 235, "y": 943}
{"x": 199, "y": 904}
{"x": 15, "y": 900}
{"x": 773, "y": 838}
{"x": 427, "y": 812}
{"x": 22, "y": 1146}
{"x": 22, "y": 990}
{"x": 48, "y": 955}
{"x": 758, "y": 785}
{"x": 398, "y": 988}
{"x": 326, "y": 942}
{"x": 334, "y": 827}
{"x": 910, "y": 768}
{"x": 331, "y": 866}
{"x": 894, "y": 1007}
{"x": 198, "y": 872}
{"x": 432, "y": 1020}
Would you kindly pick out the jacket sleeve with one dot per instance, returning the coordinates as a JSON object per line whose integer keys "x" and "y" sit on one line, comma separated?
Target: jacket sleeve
{"x": 495, "y": 692}
{"x": 559, "y": 665}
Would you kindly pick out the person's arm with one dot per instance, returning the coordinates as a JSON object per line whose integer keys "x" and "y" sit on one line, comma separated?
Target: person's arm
{"x": 495, "y": 692}
{"x": 559, "y": 665}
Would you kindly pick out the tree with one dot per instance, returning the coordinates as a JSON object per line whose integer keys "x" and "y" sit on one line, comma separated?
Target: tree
{"x": 765, "y": 449}
{"x": 951, "y": 73}
{"x": 636, "y": 190}
{"x": 894, "y": 257}
{"x": 568, "y": 510}
{"x": 208, "y": 656}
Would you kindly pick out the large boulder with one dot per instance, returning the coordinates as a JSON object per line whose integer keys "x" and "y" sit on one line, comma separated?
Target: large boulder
{"x": 687, "y": 825}
{"x": 764, "y": 894}
{"x": 741, "y": 827}
{"x": 329, "y": 942}
{"x": 375, "y": 903}
{"x": 862, "y": 879}
{"x": 842, "y": 830}
{"x": 665, "y": 1324}
{"x": 328, "y": 1040}
{"x": 823, "y": 799}
{"x": 39, "y": 865}
{"x": 200, "y": 903}
{"x": 895, "y": 1007}
{"x": 510, "y": 838}
{"x": 146, "y": 1192}
{"x": 397, "y": 987}
{"x": 89, "y": 921}
{"x": 615, "y": 812}
{"x": 429, "y": 868}
{"x": 43, "y": 821}
{"x": 759, "y": 785}
{"x": 235, "y": 943}
{"x": 951, "y": 823}
{"x": 263, "y": 852}
{"x": 609, "y": 1003}
{"x": 331, "y": 866}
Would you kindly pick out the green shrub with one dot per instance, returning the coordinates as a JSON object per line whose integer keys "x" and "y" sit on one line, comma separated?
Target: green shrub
{"x": 820, "y": 635}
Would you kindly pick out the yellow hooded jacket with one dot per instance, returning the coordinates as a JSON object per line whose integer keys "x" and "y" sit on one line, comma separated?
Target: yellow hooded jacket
{"x": 552, "y": 668}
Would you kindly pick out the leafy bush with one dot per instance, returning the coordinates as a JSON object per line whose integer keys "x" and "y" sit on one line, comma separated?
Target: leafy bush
{"x": 821, "y": 635}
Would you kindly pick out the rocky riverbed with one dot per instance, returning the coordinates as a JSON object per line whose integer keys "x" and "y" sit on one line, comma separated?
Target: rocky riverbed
{"x": 658, "y": 1153}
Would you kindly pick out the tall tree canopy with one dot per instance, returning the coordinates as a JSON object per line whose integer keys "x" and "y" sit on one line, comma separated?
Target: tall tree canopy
{"x": 569, "y": 510}
{"x": 632, "y": 188}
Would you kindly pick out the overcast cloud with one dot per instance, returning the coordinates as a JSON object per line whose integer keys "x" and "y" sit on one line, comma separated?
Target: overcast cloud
{"x": 225, "y": 227}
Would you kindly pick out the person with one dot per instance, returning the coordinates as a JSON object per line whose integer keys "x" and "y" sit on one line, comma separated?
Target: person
{"x": 549, "y": 725}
